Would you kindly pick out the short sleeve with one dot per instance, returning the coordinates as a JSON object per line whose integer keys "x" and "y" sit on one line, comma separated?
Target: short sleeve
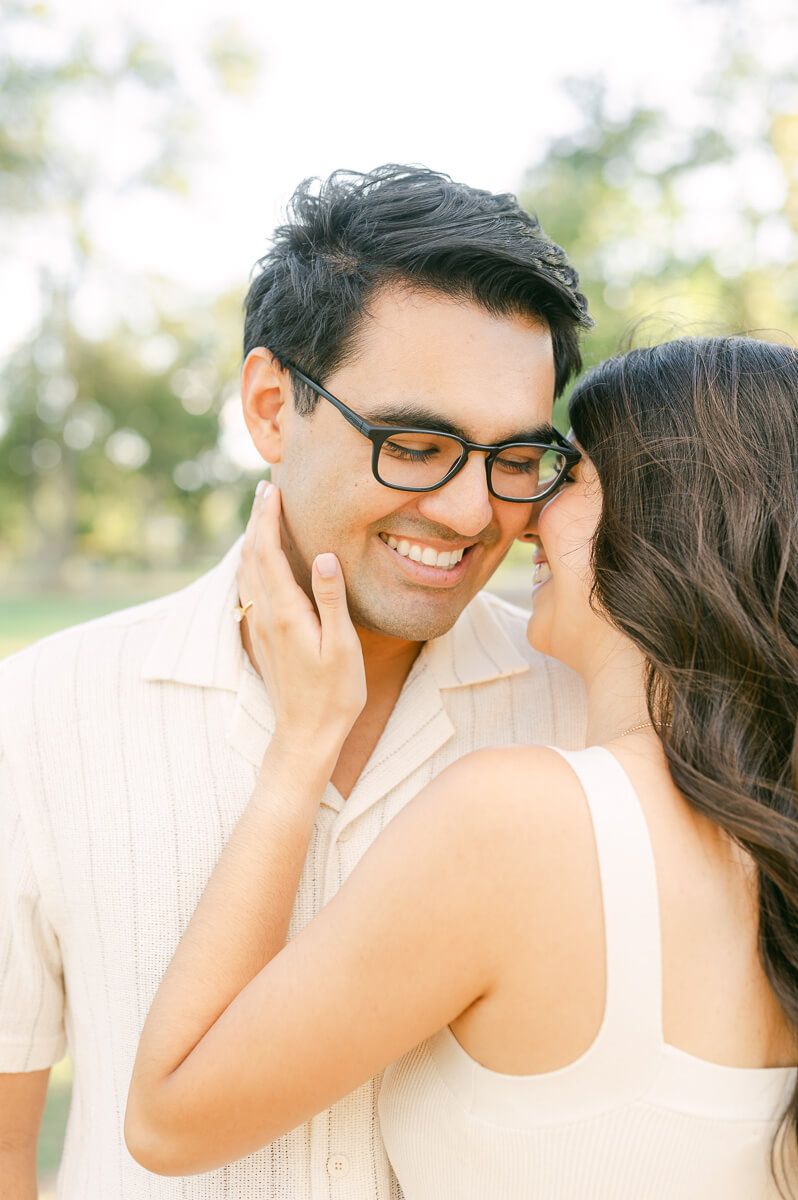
{"x": 31, "y": 980}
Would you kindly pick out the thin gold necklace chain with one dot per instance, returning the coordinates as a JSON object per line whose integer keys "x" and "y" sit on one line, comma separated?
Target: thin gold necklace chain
{"x": 647, "y": 725}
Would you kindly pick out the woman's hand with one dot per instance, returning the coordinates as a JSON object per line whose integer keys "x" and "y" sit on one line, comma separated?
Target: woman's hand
{"x": 312, "y": 665}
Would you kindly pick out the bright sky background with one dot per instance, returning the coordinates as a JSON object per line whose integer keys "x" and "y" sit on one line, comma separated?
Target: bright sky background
{"x": 471, "y": 89}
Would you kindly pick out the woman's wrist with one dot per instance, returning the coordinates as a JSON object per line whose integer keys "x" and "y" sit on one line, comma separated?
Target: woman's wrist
{"x": 311, "y": 741}
{"x": 303, "y": 761}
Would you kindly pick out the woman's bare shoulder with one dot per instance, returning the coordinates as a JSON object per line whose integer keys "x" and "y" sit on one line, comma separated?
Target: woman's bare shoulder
{"x": 531, "y": 777}
{"x": 524, "y": 803}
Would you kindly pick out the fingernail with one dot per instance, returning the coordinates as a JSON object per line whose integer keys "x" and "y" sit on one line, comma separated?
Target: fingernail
{"x": 326, "y": 565}
{"x": 260, "y": 488}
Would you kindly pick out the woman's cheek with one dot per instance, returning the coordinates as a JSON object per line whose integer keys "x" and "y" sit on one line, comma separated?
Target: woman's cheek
{"x": 538, "y": 630}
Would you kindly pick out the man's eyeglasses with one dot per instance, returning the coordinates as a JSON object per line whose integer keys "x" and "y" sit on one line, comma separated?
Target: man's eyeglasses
{"x": 422, "y": 460}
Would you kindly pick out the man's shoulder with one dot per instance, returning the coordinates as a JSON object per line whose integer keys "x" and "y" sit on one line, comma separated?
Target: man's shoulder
{"x": 543, "y": 676}
{"x": 510, "y": 616}
{"x": 512, "y": 621}
{"x": 487, "y": 668}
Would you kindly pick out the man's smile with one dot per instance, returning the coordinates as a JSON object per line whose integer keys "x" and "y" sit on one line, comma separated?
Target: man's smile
{"x": 424, "y": 552}
{"x": 425, "y": 563}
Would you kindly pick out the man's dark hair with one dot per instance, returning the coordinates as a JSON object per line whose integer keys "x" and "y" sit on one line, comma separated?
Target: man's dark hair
{"x": 354, "y": 234}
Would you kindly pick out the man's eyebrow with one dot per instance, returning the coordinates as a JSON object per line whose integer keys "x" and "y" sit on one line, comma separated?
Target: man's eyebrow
{"x": 417, "y": 417}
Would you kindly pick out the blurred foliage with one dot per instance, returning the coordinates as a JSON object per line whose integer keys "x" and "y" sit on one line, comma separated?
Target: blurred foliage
{"x": 230, "y": 55}
{"x": 118, "y": 446}
{"x": 112, "y": 445}
{"x": 678, "y": 231}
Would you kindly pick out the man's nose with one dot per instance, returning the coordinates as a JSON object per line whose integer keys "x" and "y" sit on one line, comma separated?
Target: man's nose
{"x": 464, "y": 503}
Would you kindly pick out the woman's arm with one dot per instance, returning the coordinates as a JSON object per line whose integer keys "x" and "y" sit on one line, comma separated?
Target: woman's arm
{"x": 414, "y": 936}
{"x": 242, "y": 919}
{"x": 246, "y": 1040}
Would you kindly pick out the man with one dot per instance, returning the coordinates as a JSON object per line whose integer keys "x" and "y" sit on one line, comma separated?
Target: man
{"x": 129, "y": 746}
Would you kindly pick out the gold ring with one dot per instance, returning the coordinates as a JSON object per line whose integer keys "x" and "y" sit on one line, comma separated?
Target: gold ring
{"x": 240, "y": 611}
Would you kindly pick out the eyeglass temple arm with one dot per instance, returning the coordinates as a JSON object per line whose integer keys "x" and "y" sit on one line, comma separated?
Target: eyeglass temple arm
{"x": 367, "y": 429}
{"x": 362, "y": 426}
{"x": 570, "y": 450}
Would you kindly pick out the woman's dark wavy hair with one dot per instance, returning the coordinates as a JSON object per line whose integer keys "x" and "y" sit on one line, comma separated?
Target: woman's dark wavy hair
{"x": 696, "y": 560}
{"x": 352, "y": 234}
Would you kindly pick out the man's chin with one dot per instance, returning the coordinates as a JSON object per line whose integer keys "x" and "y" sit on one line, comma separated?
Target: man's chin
{"x": 410, "y": 623}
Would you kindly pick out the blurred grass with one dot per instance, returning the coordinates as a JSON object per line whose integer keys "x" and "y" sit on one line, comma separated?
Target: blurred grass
{"x": 51, "y": 1138}
{"x": 27, "y": 614}
{"x": 24, "y": 620}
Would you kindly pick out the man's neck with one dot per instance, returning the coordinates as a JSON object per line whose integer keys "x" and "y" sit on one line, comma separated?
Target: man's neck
{"x": 387, "y": 660}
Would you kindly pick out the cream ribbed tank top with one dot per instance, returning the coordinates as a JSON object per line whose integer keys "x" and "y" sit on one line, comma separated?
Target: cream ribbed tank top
{"x": 632, "y": 1118}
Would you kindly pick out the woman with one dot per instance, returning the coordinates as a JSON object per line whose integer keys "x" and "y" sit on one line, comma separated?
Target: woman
{"x": 582, "y": 966}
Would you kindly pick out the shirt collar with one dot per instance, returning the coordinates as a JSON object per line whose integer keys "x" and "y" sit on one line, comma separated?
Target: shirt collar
{"x": 476, "y": 649}
{"x": 198, "y": 642}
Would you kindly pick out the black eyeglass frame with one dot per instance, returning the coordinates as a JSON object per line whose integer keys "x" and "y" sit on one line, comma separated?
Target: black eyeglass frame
{"x": 378, "y": 435}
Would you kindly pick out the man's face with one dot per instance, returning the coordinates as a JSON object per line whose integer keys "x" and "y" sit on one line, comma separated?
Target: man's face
{"x": 491, "y": 377}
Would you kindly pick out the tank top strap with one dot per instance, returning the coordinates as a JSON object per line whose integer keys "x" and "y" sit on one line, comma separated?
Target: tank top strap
{"x": 633, "y": 1005}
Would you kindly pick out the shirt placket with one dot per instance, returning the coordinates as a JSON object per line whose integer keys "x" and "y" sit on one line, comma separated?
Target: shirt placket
{"x": 346, "y": 1156}
{"x": 331, "y": 1158}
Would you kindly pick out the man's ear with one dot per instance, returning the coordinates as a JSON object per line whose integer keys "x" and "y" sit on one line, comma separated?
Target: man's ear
{"x": 266, "y": 397}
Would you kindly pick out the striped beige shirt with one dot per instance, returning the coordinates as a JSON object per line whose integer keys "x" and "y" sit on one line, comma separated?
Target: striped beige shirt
{"x": 128, "y": 750}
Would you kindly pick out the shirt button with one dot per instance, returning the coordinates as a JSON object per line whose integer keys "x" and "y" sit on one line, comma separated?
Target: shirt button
{"x": 337, "y": 1166}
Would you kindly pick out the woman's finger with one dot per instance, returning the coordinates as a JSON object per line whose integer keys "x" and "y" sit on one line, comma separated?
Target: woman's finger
{"x": 341, "y": 653}
{"x": 270, "y": 560}
{"x": 329, "y": 590}
{"x": 252, "y": 523}
{"x": 257, "y": 568}
{"x": 245, "y": 572}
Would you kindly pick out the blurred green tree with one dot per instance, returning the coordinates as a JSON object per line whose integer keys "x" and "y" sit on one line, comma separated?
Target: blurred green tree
{"x": 112, "y": 447}
{"x": 109, "y": 443}
{"x": 679, "y": 230}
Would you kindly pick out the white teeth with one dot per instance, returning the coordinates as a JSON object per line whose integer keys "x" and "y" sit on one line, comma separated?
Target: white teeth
{"x": 540, "y": 573}
{"x": 443, "y": 559}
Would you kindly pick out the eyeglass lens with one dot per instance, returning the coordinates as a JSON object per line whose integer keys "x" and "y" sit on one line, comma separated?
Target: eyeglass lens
{"x": 421, "y": 460}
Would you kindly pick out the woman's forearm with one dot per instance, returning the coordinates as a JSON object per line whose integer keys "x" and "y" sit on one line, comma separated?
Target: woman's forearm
{"x": 242, "y": 919}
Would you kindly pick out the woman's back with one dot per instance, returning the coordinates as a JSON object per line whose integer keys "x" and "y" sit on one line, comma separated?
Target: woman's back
{"x": 594, "y": 1100}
